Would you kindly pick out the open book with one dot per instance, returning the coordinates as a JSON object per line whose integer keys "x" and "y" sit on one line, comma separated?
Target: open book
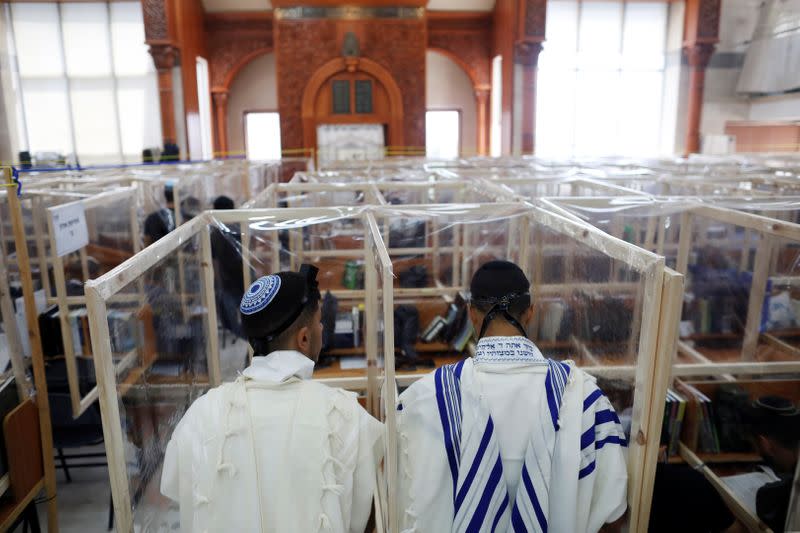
{"x": 745, "y": 486}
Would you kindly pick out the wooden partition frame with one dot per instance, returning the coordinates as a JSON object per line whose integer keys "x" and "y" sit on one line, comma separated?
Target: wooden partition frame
{"x": 385, "y": 393}
{"x": 81, "y": 403}
{"x": 662, "y": 287}
{"x": 102, "y": 289}
{"x": 37, "y": 359}
{"x": 756, "y": 226}
{"x": 8, "y": 317}
{"x": 576, "y": 186}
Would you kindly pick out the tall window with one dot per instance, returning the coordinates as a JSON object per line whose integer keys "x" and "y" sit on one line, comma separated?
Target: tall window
{"x": 204, "y": 101}
{"x": 601, "y": 76}
{"x": 496, "y": 139}
{"x": 443, "y": 134}
{"x": 262, "y": 133}
{"x": 88, "y": 88}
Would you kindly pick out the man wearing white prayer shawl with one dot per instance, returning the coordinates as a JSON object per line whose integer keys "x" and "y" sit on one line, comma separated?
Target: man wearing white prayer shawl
{"x": 275, "y": 451}
{"x": 508, "y": 440}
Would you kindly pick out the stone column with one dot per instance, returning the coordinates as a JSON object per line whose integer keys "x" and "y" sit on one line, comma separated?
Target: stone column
{"x": 220, "y": 97}
{"x": 526, "y": 54}
{"x": 698, "y": 55}
{"x": 166, "y": 57}
{"x": 483, "y": 108}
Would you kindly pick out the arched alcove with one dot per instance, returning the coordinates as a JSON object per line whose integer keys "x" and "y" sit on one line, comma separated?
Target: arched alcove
{"x": 448, "y": 86}
{"x": 253, "y": 88}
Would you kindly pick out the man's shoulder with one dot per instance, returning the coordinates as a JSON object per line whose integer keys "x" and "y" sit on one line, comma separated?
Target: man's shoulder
{"x": 203, "y": 412}
{"x": 424, "y": 383}
{"x": 425, "y": 387}
{"x": 339, "y": 397}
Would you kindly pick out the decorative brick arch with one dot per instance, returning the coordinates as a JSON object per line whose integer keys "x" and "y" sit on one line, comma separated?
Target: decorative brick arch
{"x": 223, "y": 72}
{"x": 469, "y": 50}
{"x": 352, "y": 64}
{"x": 227, "y": 67}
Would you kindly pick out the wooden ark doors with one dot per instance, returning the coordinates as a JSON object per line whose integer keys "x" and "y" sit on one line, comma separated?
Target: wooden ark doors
{"x": 352, "y": 91}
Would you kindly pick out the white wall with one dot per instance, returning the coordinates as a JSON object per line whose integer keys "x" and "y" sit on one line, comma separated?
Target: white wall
{"x": 721, "y": 102}
{"x": 783, "y": 107}
{"x": 447, "y": 86}
{"x": 254, "y": 88}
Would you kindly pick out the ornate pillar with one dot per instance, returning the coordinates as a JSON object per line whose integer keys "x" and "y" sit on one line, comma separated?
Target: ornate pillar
{"x": 220, "y": 97}
{"x": 160, "y": 35}
{"x": 700, "y": 34}
{"x": 698, "y": 55}
{"x": 165, "y": 57}
{"x": 526, "y": 54}
{"x": 482, "y": 98}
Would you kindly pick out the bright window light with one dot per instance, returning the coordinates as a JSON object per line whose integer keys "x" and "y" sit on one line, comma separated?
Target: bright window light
{"x": 204, "y": 99}
{"x": 443, "y": 134}
{"x": 496, "y": 132}
{"x": 262, "y": 136}
{"x": 600, "y": 78}
{"x": 88, "y": 85}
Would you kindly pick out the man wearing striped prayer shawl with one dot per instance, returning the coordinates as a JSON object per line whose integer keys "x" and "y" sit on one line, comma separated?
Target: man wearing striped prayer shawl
{"x": 509, "y": 440}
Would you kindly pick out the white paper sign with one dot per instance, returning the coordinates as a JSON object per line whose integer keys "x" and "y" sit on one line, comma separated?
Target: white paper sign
{"x": 69, "y": 226}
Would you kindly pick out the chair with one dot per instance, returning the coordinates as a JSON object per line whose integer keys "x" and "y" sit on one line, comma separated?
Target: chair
{"x": 25, "y": 467}
{"x": 69, "y": 432}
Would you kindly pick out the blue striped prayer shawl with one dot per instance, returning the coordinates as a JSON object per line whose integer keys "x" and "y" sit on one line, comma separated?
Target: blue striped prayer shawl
{"x": 600, "y": 427}
{"x": 480, "y": 496}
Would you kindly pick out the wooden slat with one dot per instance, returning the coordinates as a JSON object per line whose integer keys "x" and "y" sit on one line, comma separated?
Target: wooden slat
{"x": 755, "y": 303}
{"x": 37, "y": 357}
{"x": 109, "y": 408}
{"x": 646, "y": 366}
{"x": 669, "y": 316}
{"x": 208, "y": 293}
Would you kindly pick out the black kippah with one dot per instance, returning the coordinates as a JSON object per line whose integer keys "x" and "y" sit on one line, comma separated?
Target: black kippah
{"x": 497, "y": 285}
{"x": 497, "y": 280}
{"x": 776, "y": 406}
{"x": 272, "y": 303}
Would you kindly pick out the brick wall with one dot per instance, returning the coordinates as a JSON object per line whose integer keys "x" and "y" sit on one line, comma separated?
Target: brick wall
{"x": 302, "y": 47}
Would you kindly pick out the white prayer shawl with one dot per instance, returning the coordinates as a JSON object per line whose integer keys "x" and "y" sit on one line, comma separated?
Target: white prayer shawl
{"x": 273, "y": 452}
{"x": 451, "y": 470}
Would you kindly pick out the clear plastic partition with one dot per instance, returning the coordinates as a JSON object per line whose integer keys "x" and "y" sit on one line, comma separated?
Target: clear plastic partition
{"x": 235, "y": 179}
{"x": 165, "y": 327}
{"x": 441, "y": 192}
{"x": 289, "y": 166}
{"x": 112, "y": 236}
{"x": 33, "y": 204}
{"x": 740, "y": 315}
{"x": 191, "y": 195}
{"x": 12, "y": 357}
{"x": 321, "y": 194}
{"x": 650, "y": 223}
{"x": 155, "y": 351}
{"x": 597, "y": 300}
{"x": 334, "y": 241}
{"x": 262, "y": 174}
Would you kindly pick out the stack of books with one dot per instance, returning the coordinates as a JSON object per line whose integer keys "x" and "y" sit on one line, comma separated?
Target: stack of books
{"x": 674, "y": 413}
{"x": 700, "y": 429}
